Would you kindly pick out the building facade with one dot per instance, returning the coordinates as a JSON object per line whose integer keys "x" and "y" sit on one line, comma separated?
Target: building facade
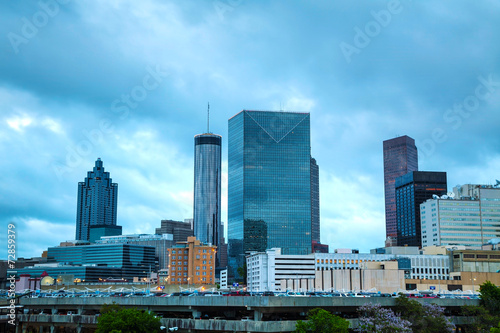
{"x": 161, "y": 243}
{"x": 413, "y": 189}
{"x": 471, "y": 218}
{"x": 179, "y": 230}
{"x": 191, "y": 263}
{"x": 315, "y": 217}
{"x": 400, "y": 157}
{"x": 207, "y": 189}
{"x": 269, "y": 185}
{"x": 97, "y": 202}
{"x": 91, "y": 262}
{"x": 267, "y": 270}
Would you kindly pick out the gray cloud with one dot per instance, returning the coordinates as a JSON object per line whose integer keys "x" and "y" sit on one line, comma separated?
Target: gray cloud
{"x": 57, "y": 95}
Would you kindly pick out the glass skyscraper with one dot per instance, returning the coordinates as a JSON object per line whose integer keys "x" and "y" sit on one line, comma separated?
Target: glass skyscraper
{"x": 269, "y": 185}
{"x": 97, "y": 202}
{"x": 400, "y": 157}
{"x": 207, "y": 190}
{"x": 413, "y": 189}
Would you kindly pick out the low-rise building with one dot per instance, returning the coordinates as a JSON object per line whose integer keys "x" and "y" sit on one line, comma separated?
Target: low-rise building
{"x": 160, "y": 242}
{"x": 191, "y": 263}
{"x": 266, "y": 271}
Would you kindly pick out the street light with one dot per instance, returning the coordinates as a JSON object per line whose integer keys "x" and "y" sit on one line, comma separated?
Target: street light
{"x": 473, "y": 279}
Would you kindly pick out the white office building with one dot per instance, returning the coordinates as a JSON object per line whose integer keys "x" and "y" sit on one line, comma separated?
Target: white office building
{"x": 271, "y": 271}
{"x": 471, "y": 218}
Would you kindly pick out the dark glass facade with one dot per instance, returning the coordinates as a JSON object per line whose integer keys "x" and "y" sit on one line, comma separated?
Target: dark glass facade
{"x": 97, "y": 202}
{"x": 180, "y": 230}
{"x": 400, "y": 157}
{"x": 269, "y": 185}
{"x": 413, "y": 189}
{"x": 91, "y": 262}
{"x": 207, "y": 189}
{"x": 315, "y": 224}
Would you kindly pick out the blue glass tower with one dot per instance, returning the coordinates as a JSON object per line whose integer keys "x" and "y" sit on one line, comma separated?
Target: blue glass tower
{"x": 207, "y": 189}
{"x": 97, "y": 201}
{"x": 269, "y": 185}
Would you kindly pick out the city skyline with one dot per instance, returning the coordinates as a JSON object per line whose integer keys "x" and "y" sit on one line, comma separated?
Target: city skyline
{"x": 426, "y": 70}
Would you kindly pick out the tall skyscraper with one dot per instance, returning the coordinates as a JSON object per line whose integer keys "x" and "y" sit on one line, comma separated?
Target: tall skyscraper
{"x": 413, "y": 189}
{"x": 269, "y": 185}
{"x": 400, "y": 157}
{"x": 207, "y": 190}
{"x": 97, "y": 202}
{"x": 315, "y": 225}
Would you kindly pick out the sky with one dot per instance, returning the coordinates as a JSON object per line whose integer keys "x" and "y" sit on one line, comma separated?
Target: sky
{"x": 129, "y": 82}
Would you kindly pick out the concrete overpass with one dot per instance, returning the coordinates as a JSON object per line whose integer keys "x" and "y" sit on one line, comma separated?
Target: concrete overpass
{"x": 201, "y": 314}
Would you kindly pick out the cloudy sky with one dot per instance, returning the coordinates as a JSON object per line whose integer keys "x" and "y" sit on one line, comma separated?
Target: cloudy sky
{"x": 129, "y": 81}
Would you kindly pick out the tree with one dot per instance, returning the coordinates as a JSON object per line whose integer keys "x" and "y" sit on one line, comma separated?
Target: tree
{"x": 115, "y": 319}
{"x": 319, "y": 321}
{"x": 490, "y": 297}
{"x": 242, "y": 272}
{"x": 426, "y": 318}
{"x": 479, "y": 319}
{"x": 374, "y": 318}
{"x": 495, "y": 329}
{"x": 486, "y": 316}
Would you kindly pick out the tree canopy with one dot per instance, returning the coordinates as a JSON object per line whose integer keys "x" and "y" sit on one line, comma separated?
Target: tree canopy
{"x": 115, "y": 319}
{"x": 425, "y": 318}
{"x": 374, "y": 318}
{"x": 322, "y": 321}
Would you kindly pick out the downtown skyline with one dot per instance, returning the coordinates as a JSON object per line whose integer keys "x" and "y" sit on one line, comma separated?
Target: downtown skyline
{"x": 136, "y": 101}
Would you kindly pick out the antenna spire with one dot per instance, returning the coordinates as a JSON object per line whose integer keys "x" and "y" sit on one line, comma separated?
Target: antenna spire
{"x": 208, "y": 118}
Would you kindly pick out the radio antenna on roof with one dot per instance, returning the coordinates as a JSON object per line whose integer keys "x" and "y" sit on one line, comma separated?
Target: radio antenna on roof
{"x": 208, "y": 118}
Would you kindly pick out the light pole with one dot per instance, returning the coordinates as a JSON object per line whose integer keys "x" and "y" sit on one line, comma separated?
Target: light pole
{"x": 473, "y": 279}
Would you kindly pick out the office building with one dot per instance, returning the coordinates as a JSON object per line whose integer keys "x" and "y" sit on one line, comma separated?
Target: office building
{"x": 315, "y": 222}
{"x": 90, "y": 262}
{"x": 161, "y": 243}
{"x": 413, "y": 189}
{"x": 273, "y": 271}
{"x": 97, "y": 202}
{"x": 400, "y": 157}
{"x": 269, "y": 185}
{"x": 471, "y": 218}
{"x": 207, "y": 189}
{"x": 180, "y": 231}
{"x": 98, "y": 231}
{"x": 192, "y": 263}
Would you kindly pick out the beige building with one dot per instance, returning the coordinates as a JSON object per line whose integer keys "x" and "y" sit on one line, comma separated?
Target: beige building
{"x": 464, "y": 281}
{"x": 191, "y": 263}
{"x": 384, "y": 276}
